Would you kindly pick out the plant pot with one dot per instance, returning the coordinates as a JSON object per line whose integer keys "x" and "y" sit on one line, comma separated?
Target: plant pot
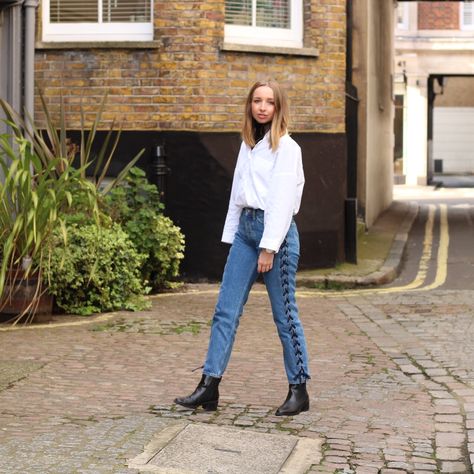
{"x": 20, "y": 293}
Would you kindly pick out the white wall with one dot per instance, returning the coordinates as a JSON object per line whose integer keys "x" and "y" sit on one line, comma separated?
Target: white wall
{"x": 372, "y": 75}
{"x": 416, "y": 130}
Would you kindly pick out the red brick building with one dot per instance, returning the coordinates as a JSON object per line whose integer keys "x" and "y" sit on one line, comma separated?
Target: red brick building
{"x": 438, "y": 15}
{"x": 177, "y": 74}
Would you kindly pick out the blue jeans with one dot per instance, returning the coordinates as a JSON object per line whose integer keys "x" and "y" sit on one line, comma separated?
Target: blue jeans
{"x": 239, "y": 275}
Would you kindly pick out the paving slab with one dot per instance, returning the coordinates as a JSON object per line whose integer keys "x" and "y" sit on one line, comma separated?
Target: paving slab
{"x": 203, "y": 448}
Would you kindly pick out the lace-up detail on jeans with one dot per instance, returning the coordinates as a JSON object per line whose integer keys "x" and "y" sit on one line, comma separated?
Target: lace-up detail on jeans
{"x": 284, "y": 262}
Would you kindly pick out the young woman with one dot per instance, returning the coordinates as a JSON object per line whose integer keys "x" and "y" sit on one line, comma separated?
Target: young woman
{"x": 266, "y": 194}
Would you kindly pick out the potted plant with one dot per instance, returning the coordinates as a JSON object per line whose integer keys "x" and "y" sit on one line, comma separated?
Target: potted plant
{"x": 40, "y": 183}
{"x": 32, "y": 197}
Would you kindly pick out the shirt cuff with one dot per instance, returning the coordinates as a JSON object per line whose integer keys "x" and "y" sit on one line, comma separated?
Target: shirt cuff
{"x": 228, "y": 237}
{"x": 269, "y": 244}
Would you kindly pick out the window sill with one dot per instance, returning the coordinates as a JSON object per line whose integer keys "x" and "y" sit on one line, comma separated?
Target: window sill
{"x": 246, "y": 48}
{"x": 98, "y": 45}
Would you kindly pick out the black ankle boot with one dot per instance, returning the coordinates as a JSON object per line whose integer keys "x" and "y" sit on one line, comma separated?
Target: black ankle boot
{"x": 296, "y": 401}
{"x": 206, "y": 394}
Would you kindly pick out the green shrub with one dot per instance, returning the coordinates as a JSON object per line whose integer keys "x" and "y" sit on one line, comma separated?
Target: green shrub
{"x": 98, "y": 270}
{"x": 135, "y": 204}
{"x": 157, "y": 237}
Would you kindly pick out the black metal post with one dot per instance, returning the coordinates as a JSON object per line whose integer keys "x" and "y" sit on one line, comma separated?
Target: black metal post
{"x": 159, "y": 170}
{"x": 431, "y": 103}
{"x": 350, "y": 231}
{"x": 352, "y": 102}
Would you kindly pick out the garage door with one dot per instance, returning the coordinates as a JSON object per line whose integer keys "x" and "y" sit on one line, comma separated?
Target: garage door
{"x": 453, "y": 139}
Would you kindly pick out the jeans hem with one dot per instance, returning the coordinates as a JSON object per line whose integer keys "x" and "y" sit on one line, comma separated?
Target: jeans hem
{"x": 300, "y": 379}
{"x": 210, "y": 374}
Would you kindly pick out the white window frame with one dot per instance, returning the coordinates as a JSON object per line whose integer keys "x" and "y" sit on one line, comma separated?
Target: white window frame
{"x": 97, "y": 31}
{"x": 405, "y": 24}
{"x": 463, "y": 25}
{"x": 278, "y": 37}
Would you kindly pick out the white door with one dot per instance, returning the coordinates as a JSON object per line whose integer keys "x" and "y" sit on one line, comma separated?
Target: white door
{"x": 453, "y": 139}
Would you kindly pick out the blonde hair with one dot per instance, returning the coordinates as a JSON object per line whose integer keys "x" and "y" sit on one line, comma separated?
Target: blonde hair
{"x": 279, "y": 124}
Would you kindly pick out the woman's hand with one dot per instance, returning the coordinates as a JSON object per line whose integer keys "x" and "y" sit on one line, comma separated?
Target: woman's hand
{"x": 265, "y": 261}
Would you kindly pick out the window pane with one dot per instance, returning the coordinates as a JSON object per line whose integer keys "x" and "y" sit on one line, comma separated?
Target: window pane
{"x": 273, "y": 13}
{"x": 72, "y": 11}
{"x": 402, "y": 15}
{"x": 238, "y": 12}
{"x": 126, "y": 11}
{"x": 468, "y": 14}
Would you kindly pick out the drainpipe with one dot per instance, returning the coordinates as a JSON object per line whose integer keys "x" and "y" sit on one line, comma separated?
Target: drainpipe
{"x": 29, "y": 78}
{"x": 352, "y": 101}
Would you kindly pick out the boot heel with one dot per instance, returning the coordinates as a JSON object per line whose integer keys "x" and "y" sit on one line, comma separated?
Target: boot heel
{"x": 210, "y": 406}
{"x": 305, "y": 406}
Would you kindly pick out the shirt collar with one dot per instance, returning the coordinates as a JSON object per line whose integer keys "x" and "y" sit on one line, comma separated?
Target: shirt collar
{"x": 265, "y": 139}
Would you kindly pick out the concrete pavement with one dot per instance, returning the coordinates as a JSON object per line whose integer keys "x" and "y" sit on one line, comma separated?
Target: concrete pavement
{"x": 392, "y": 387}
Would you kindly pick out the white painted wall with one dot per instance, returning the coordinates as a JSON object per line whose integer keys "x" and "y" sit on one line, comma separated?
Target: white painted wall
{"x": 372, "y": 75}
{"x": 453, "y": 138}
{"x": 418, "y": 54}
{"x": 416, "y": 130}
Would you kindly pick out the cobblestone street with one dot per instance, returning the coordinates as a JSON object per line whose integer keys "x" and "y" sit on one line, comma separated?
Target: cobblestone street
{"x": 391, "y": 389}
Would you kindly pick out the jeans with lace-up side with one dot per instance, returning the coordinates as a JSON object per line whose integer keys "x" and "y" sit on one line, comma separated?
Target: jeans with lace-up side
{"x": 239, "y": 275}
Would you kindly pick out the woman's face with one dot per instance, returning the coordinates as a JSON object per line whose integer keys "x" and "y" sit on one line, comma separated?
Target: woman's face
{"x": 263, "y": 105}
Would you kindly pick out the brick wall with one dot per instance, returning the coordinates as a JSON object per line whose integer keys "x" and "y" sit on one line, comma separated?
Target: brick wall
{"x": 189, "y": 83}
{"x": 438, "y": 15}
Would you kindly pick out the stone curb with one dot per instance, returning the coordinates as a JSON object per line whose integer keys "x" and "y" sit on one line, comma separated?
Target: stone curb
{"x": 385, "y": 274}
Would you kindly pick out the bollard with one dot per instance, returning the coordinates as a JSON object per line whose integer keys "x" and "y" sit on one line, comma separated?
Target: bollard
{"x": 159, "y": 170}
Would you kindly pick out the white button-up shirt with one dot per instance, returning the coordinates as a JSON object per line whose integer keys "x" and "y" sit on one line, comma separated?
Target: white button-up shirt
{"x": 272, "y": 181}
